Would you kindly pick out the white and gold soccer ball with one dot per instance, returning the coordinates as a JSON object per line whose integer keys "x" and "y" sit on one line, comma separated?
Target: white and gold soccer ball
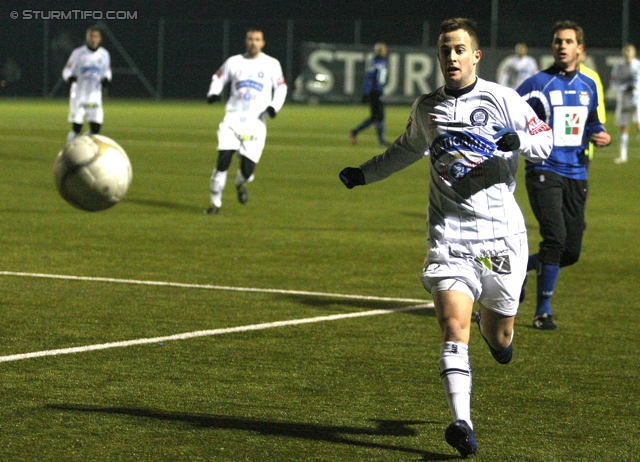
{"x": 92, "y": 173}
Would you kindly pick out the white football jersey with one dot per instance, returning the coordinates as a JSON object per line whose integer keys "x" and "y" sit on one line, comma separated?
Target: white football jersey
{"x": 255, "y": 84}
{"x": 516, "y": 70}
{"x": 626, "y": 79}
{"x": 471, "y": 192}
{"x": 89, "y": 67}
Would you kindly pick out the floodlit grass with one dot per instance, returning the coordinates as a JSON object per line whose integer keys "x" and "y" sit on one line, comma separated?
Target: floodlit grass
{"x": 355, "y": 389}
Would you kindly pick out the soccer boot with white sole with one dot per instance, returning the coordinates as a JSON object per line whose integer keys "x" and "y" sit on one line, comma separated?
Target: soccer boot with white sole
{"x": 544, "y": 322}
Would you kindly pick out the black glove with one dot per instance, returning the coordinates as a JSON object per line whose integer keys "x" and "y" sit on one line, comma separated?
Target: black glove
{"x": 72, "y": 79}
{"x": 351, "y": 177}
{"x": 213, "y": 98}
{"x": 105, "y": 82}
{"x": 507, "y": 139}
{"x": 271, "y": 111}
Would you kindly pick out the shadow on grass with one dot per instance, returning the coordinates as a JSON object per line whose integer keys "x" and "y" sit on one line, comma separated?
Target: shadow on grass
{"x": 166, "y": 205}
{"x": 314, "y": 432}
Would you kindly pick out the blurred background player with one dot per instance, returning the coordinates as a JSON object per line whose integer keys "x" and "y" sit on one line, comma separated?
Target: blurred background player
{"x": 625, "y": 78}
{"x": 567, "y": 101}
{"x": 518, "y": 68}
{"x": 602, "y": 110}
{"x": 375, "y": 78}
{"x": 88, "y": 71}
{"x": 258, "y": 90}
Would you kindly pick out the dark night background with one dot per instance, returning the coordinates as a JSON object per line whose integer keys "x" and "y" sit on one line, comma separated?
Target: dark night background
{"x": 194, "y": 33}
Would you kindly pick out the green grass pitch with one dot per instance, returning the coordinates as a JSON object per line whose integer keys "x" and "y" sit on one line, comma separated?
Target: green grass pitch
{"x": 353, "y": 389}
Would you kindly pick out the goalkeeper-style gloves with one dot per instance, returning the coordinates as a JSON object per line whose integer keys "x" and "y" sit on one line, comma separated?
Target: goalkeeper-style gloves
{"x": 213, "y": 98}
{"x": 271, "y": 112}
{"x": 352, "y": 176}
{"x": 507, "y": 138}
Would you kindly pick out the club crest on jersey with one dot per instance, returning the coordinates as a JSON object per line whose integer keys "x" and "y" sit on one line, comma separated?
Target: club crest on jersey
{"x": 584, "y": 98}
{"x": 479, "y": 118}
{"x": 458, "y": 170}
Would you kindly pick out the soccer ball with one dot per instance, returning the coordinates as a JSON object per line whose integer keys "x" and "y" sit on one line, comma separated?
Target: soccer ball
{"x": 92, "y": 173}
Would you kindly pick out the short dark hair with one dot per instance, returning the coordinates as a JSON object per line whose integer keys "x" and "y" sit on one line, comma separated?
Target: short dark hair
{"x": 94, "y": 29}
{"x": 466, "y": 24}
{"x": 566, "y": 24}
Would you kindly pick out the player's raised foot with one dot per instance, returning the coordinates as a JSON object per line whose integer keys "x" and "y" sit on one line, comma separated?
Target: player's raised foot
{"x": 460, "y": 435}
{"x": 352, "y": 137}
{"x": 619, "y": 160}
{"x": 544, "y": 322}
{"x": 502, "y": 356}
{"x": 212, "y": 210}
{"x": 243, "y": 194}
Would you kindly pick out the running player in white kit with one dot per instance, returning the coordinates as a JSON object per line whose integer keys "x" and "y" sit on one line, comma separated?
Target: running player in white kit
{"x": 472, "y": 131}
{"x": 88, "y": 71}
{"x": 257, "y": 90}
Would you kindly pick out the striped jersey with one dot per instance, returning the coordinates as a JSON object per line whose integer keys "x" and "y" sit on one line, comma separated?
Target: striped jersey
{"x": 472, "y": 183}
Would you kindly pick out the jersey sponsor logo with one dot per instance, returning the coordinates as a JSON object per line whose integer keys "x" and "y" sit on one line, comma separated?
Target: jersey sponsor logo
{"x": 458, "y": 143}
{"x": 249, "y": 84}
{"x": 536, "y": 126}
{"x": 571, "y": 124}
{"x": 585, "y": 98}
{"x": 479, "y": 118}
{"x": 498, "y": 263}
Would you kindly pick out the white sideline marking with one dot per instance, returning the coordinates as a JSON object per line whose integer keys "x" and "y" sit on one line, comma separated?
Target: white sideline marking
{"x": 210, "y": 287}
{"x": 206, "y": 333}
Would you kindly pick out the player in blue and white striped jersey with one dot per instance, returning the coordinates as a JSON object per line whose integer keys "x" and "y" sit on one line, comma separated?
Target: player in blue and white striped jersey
{"x": 473, "y": 132}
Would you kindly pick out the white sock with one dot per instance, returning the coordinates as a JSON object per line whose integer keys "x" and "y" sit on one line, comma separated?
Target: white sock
{"x": 71, "y": 136}
{"x": 218, "y": 181}
{"x": 624, "y": 143}
{"x": 455, "y": 373}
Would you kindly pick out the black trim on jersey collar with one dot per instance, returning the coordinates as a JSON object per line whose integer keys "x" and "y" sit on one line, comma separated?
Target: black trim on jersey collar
{"x": 561, "y": 72}
{"x": 462, "y": 91}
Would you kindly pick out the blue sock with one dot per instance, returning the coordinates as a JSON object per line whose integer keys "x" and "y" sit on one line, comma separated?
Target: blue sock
{"x": 380, "y": 130}
{"x": 545, "y": 284}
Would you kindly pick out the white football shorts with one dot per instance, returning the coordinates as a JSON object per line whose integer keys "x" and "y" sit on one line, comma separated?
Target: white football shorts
{"x": 493, "y": 270}
{"x": 248, "y": 138}
{"x": 627, "y": 114}
{"x": 92, "y": 111}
